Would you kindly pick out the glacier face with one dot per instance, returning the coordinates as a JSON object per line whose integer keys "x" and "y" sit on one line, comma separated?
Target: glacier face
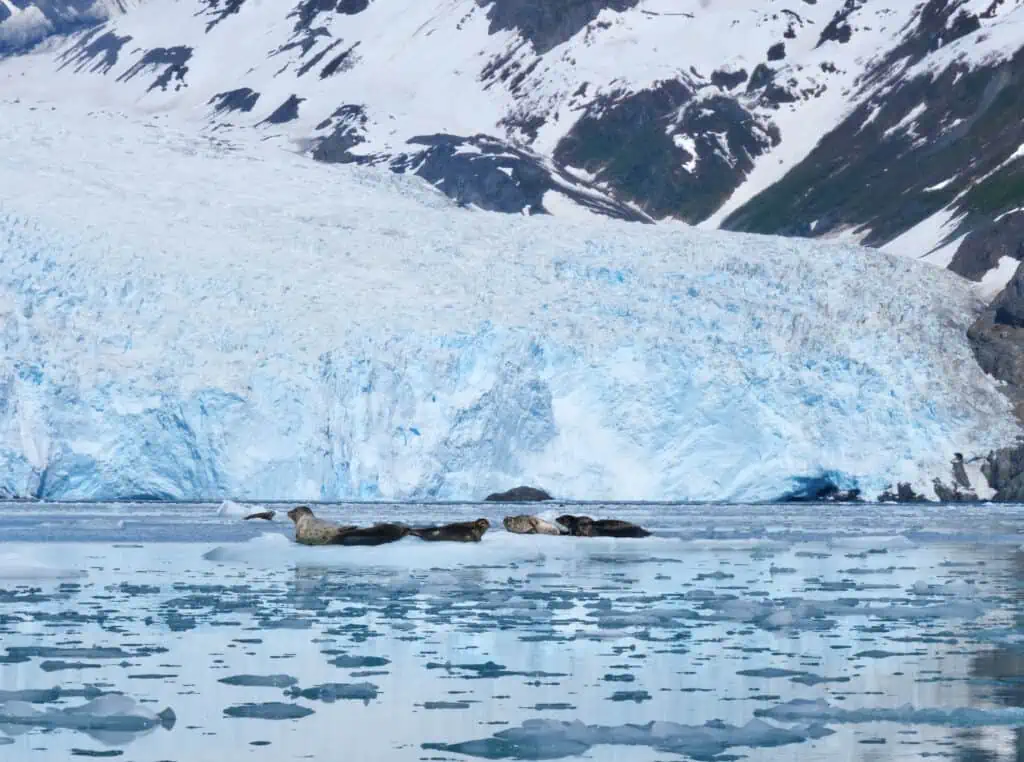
{"x": 190, "y": 318}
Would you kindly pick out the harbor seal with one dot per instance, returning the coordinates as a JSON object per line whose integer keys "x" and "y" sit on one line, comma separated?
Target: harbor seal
{"x": 309, "y": 530}
{"x": 531, "y": 525}
{"x": 265, "y": 515}
{"x": 461, "y": 531}
{"x": 378, "y": 534}
{"x": 584, "y": 526}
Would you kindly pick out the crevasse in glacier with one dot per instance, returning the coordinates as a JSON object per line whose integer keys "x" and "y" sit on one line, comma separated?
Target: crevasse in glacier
{"x": 291, "y": 331}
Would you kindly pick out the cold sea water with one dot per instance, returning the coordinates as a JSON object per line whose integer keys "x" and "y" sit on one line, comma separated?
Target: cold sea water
{"x": 787, "y": 632}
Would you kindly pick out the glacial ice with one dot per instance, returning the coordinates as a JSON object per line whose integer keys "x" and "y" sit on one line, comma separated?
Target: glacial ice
{"x": 206, "y": 320}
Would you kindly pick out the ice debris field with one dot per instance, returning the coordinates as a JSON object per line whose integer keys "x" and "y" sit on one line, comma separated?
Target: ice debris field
{"x": 182, "y": 633}
{"x": 190, "y": 317}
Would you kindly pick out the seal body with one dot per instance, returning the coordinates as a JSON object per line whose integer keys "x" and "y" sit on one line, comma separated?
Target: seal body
{"x": 526, "y": 524}
{"x": 265, "y": 515}
{"x": 461, "y": 531}
{"x": 309, "y": 530}
{"x": 378, "y": 534}
{"x": 584, "y": 526}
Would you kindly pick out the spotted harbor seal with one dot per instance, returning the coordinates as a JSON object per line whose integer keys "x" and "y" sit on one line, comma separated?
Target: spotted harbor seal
{"x": 309, "y": 530}
{"x": 584, "y": 526}
{"x": 461, "y": 531}
{"x": 530, "y": 525}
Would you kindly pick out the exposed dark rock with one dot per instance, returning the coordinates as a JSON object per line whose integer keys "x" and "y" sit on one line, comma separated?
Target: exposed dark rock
{"x": 315, "y": 60}
{"x": 286, "y": 112}
{"x": 220, "y": 10}
{"x": 984, "y": 246}
{"x": 838, "y": 29}
{"x": 654, "y": 167}
{"x": 490, "y": 174}
{"x": 728, "y": 80}
{"x": 174, "y": 60}
{"x": 890, "y": 148}
{"x": 520, "y": 495}
{"x": 344, "y": 61}
{"x": 959, "y": 472}
{"x": 243, "y": 99}
{"x": 4, "y": 13}
{"x": 777, "y": 51}
{"x": 547, "y": 24}
{"x": 1004, "y": 470}
{"x": 101, "y": 50}
{"x": 997, "y": 338}
{"x": 904, "y": 494}
{"x": 349, "y": 123}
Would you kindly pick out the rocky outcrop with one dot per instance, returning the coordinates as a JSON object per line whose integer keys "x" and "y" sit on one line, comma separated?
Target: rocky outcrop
{"x": 997, "y": 338}
{"x": 904, "y": 494}
{"x": 520, "y": 495}
{"x": 1004, "y": 470}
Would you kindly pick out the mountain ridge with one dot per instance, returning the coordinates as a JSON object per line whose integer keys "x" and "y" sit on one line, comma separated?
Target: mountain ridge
{"x": 703, "y": 112}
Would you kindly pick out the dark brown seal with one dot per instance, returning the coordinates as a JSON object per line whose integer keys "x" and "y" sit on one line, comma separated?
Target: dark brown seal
{"x": 584, "y": 526}
{"x": 378, "y": 534}
{"x": 461, "y": 531}
{"x": 265, "y": 515}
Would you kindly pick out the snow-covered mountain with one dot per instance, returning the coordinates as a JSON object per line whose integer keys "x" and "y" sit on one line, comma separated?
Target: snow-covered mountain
{"x": 897, "y": 123}
{"x": 187, "y": 316}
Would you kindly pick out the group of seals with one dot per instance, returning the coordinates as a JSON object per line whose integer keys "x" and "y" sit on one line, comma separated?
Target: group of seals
{"x": 309, "y": 530}
{"x": 575, "y": 526}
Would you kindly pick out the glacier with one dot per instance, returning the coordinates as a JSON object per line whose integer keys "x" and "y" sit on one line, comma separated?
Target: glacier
{"x": 200, "y": 317}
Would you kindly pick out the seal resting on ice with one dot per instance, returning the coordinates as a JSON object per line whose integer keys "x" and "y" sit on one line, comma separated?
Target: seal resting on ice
{"x": 526, "y": 524}
{"x": 309, "y": 530}
{"x": 461, "y": 531}
{"x": 265, "y": 515}
{"x": 584, "y": 526}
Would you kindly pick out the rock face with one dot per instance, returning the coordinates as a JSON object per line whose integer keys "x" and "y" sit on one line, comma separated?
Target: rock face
{"x": 997, "y": 339}
{"x": 920, "y": 104}
{"x": 520, "y": 495}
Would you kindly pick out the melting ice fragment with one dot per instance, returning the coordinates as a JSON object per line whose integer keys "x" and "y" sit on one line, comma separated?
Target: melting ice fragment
{"x": 800, "y": 710}
{"x": 112, "y": 719}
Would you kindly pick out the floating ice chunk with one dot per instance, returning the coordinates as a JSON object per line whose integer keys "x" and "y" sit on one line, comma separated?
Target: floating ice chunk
{"x": 272, "y": 710}
{"x": 20, "y": 566}
{"x": 819, "y": 710}
{"x": 260, "y": 681}
{"x": 551, "y": 739}
{"x": 331, "y": 692}
{"x": 113, "y": 718}
{"x": 31, "y": 695}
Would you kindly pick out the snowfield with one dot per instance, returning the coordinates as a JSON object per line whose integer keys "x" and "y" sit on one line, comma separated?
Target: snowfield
{"x": 197, "y": 318}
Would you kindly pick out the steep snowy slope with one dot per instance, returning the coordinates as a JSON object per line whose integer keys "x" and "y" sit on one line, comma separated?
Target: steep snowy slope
{"x": 194, "y": 317}
{"x": 701, "y": 110}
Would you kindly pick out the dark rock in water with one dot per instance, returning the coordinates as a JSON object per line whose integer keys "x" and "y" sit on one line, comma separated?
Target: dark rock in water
{"x": 820, "y": 489}
{"x": 997, "y": 339}
{"x": 904, "y": 494}
{"x": 520, "y": 495}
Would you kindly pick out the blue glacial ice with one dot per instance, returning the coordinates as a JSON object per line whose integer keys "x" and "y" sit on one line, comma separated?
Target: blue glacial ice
{"x": 285, "y": 330}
